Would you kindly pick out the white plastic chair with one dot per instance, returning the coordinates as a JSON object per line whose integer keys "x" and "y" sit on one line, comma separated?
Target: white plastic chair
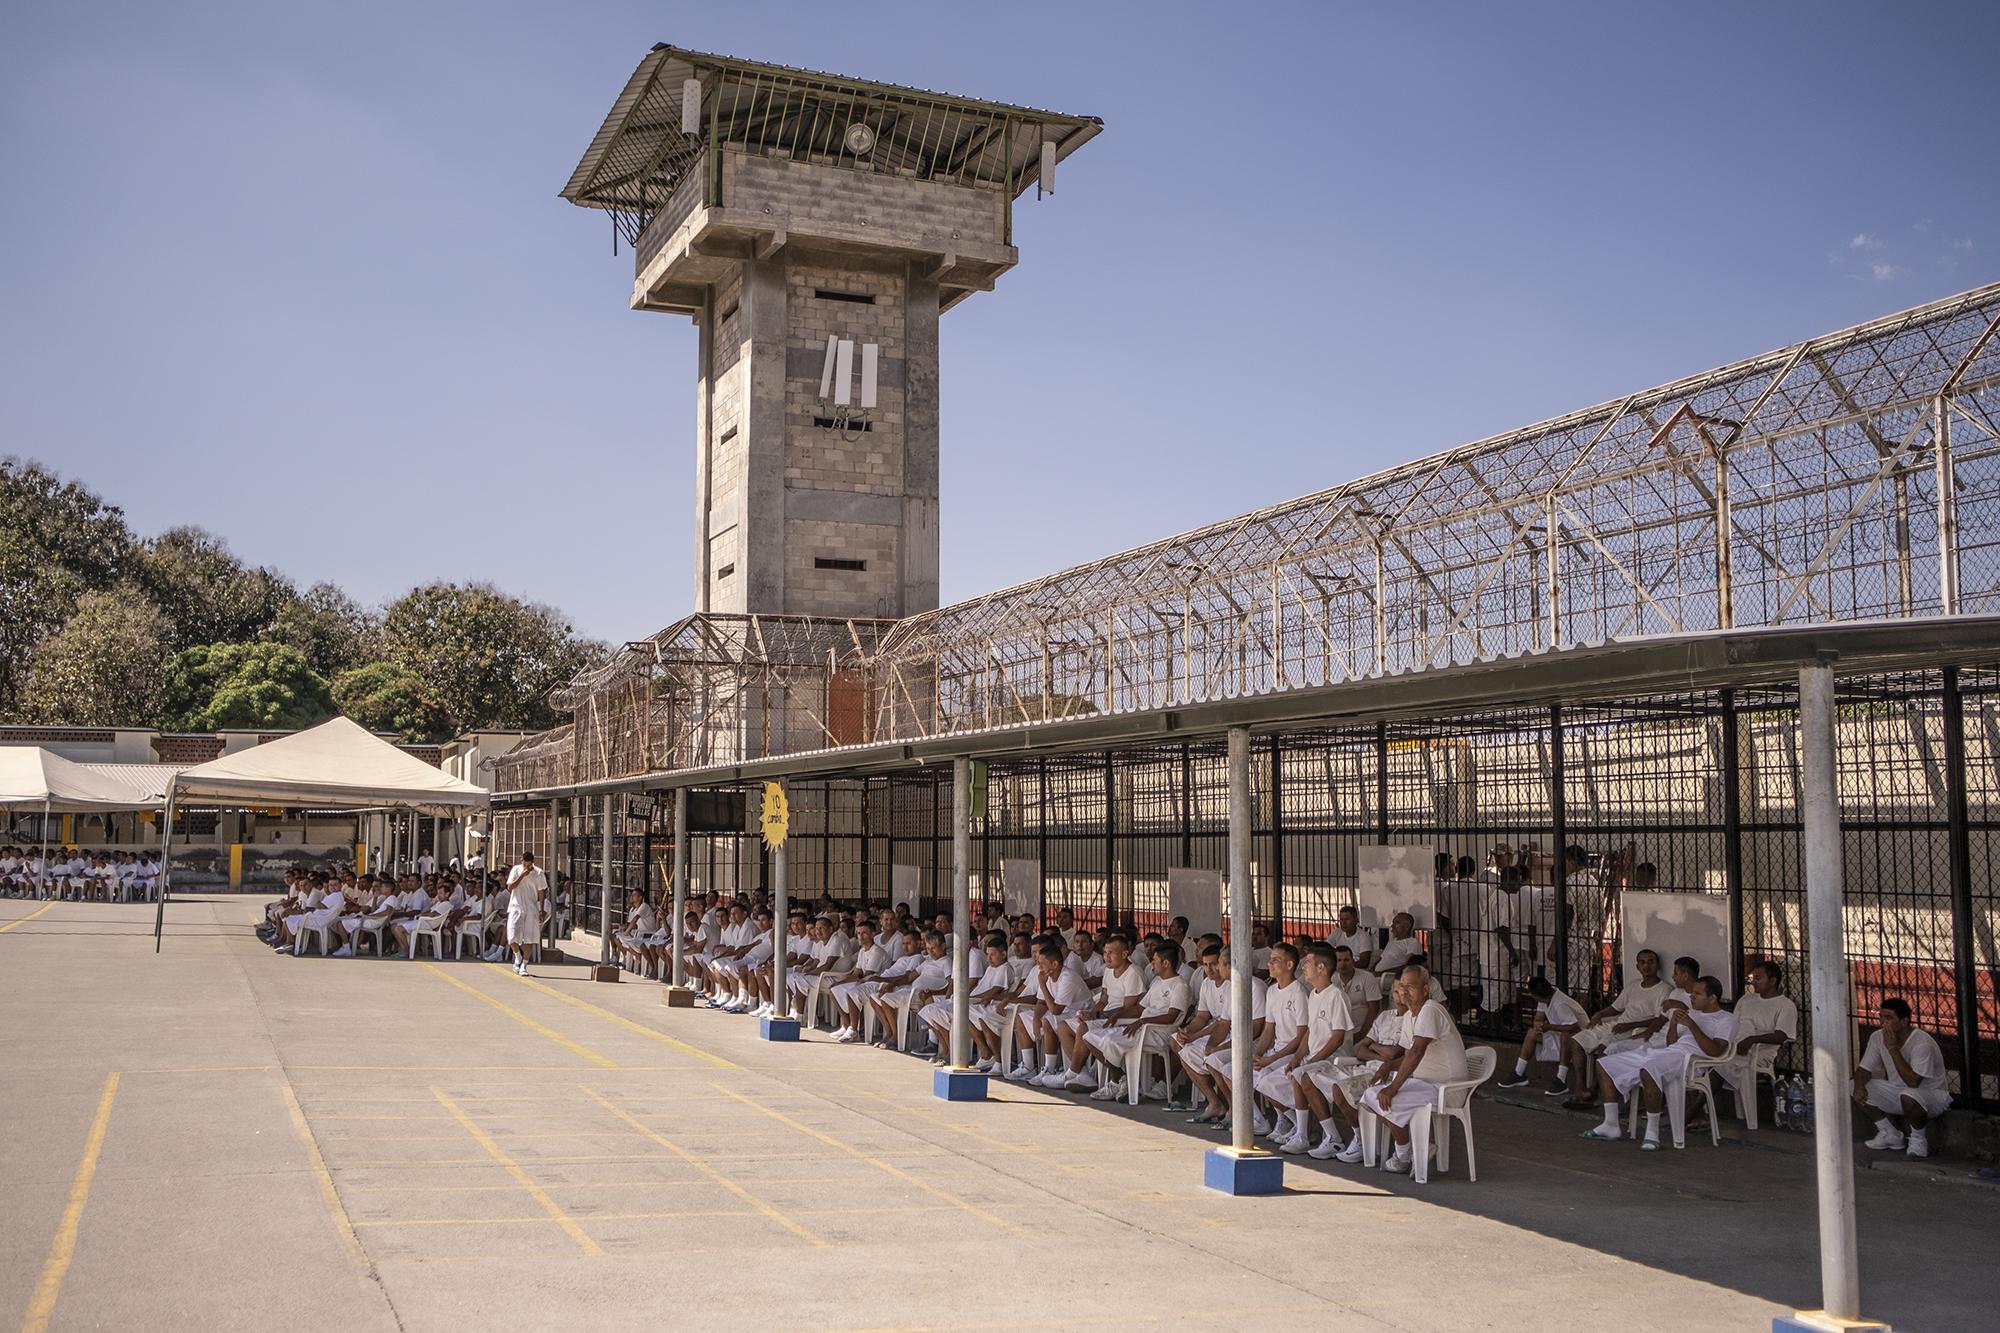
{"x": 307, "y": 931}
{"x": 1454, "y": 1103}
{"x": 377, "y": 931}
{"x": 1692, "y": 1075}
{"x": 904, "y": 1008}
{"x": 419, "y": 932}
{"x": 821, "y": 993}
{"x": 1763, "y": 1064}
{"x": 1152, "y": 1041}
{"x": 472, "y": 928}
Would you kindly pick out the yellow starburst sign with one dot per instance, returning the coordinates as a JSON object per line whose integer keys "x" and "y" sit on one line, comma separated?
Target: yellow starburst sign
{"x": 777, "y": 815}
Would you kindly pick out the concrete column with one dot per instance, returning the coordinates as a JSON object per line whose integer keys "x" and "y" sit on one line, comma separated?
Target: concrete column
{"x": 679, "y": 973}
{"x": 961, "y": 914}
{"x": 780, "y": 1026}
{"x": 1840, "y": 1280}
{"x": 1241, "y": 1168}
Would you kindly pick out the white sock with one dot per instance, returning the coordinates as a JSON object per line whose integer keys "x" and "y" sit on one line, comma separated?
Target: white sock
{"x": 1611, "y": 1121}
{"x": 1562, "y": 1075}
{"x": 1520, "y": 1068}
{"x": 1653, "y": 1126}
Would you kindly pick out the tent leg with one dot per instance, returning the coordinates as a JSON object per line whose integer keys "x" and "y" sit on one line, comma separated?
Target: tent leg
{"x": 166, "y": 870}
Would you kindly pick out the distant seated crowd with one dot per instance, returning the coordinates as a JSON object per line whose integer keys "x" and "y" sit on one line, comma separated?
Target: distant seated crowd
{"x": 344, "y": 914}
{"x": 75, "y": 875}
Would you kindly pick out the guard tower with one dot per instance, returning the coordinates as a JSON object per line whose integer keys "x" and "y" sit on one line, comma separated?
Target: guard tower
{"x": 814, "y": 227}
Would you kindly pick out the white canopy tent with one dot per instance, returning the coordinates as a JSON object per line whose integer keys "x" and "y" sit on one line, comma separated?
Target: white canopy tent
{"x": 31, "y": 776}
{"x": 337, "y": 765}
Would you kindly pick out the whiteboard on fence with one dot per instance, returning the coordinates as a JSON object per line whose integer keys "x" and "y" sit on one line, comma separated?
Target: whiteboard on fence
{"x": 1196, "y": 895}
{"x": 1400, "y": 878}
{"x": 906, "y": 885}
{"x": 1021, "y": 886}
{"x": 1675, "y": 925}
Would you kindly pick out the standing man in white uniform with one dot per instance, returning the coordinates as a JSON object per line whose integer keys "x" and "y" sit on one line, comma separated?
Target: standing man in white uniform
{"x": 528, "y": 886}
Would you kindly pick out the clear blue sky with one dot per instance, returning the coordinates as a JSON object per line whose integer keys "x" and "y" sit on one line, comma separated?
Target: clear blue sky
{"x": 299, "y": 274}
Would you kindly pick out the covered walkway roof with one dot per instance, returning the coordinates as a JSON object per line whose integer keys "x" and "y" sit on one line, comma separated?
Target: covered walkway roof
{"x": 1621, "y": 669}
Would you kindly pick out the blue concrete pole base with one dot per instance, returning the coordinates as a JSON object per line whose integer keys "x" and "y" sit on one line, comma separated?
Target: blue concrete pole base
{"x": 1253, "y": 1171}
{"x": 1819, "y": 1321}
{"x": 778, "y": 1029}
{"x": 958, "y": 1085}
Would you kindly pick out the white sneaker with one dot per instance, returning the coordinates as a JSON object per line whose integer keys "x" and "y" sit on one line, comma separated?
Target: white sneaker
{"x": 1295, "y": 1144}
{"x": 1110, "y": 1092}
{"x": 344, "y": 951}
{"x": 988, "y": 1066}
{"x": 1351, "y": 1153}
{"x": 1888, "y": 1139}
{"x": 1157, "y": 1091}
{"x": 1079, "y": 1083}
{"x": 1048, "y": 1078}
{"x": 1399, "y": 1162}
{"x": 1328, "y": 1147}
{"x": 848, "y": 1037}
{"x": 1284, "y": 1128}
{"x": 1920, "y": 1143}
{"x": 1019, "y": 1072}
{"x": 1260, "y": 1125}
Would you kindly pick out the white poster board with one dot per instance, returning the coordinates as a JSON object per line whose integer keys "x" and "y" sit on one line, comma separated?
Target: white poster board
{"x": 1673, "y": 925}
{"x": 906, "y": 885}
{"x": 1021, "y": 886}
{"x": 1196, "y": 895}
{"x": 1392, "y": 879}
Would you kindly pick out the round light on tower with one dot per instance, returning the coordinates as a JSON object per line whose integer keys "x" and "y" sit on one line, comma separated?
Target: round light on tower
{"x": 860, "y": 140}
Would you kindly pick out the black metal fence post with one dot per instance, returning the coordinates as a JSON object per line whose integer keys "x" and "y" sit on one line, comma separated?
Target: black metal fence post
{"x": 1277, "y": 839}
{"x": 1559, "y": 832}
{"x": 1958, "y": 833}
{"x": 1732, "y": 833}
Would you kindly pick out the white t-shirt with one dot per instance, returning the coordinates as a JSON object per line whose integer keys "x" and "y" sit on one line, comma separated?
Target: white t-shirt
{"x": 1562, "y": 1011}
{"x": 1118, "y": 989}
{"x": 1285, "y": 1006}
{"x": 1396, "y": 955}
{"x": 1636, "y": 1003}
{"x": 1327, "y": 1013}
{"x": 1068, "y": 993}
{"x": 1214, "y": 1000}
{"x": 872, "y": 960}
{"x": 933, "y": 974}
{"x": 1360, "y": 943}
{"x": 1360, "y": 990}
{"x": 1390, "y": 1029}
{"x": 1720, "y": 1025}
{"x": 1165, "y": 995}
{"x": 1756, "y": 1016}
{"x": 1444, "y": 1059}
{"x": 1920, "y": 1052}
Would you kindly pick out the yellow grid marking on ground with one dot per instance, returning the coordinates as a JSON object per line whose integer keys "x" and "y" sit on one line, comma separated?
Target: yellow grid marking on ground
{"x": 536, "y": 1192}
{"x": 522, "y": 1019}
{"x": 324, "y": 1178}
{"x": 875, "y": 1162}
{"x": 16, "y": 925}
{"x": 698, "y": 1164}
{"x": 1100, "y": 1320}
{"x": 540, "y": 1220}
{"x": 623, "y": 1021}
{"x": 63, "y": 1249}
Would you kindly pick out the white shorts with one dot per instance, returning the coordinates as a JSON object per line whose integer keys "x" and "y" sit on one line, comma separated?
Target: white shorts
{"x": 992, "y": 1019}
{"x": 1413, "y": 1096}
{"x": 1116, "y": 1043}
{"x": 935, "y": 1014}
{"x": 1326, "y": 1075}
{"x": 1194, "y": 1056}
{"x": 850, "y": 993}
{"x": 1624, "y": 1068}
{"x": 1887, "y": 1096}
{"x": 1273, "y": 1082}
{"x": 1218, "y": 1062}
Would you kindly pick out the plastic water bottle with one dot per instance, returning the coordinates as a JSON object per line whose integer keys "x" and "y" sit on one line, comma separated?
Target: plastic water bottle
{"x": 1806, "y": 1108}
{"x": 1795, "y": 1103}
{"x": 1781, "y": 1103}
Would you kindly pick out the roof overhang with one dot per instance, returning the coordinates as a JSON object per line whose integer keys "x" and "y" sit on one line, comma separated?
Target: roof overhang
{"x": 1625, "y": 668}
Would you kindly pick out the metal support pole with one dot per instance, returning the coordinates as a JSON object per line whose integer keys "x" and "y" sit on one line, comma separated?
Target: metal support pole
{"x": 1112, "y": 913}
{"x": 42, "y": 875}
{"x": 166, "y": 865}
{"x": 485, "y": 861}
{"x": 1240, "y": 892}
{"x": 679, "y": 973}
{"x": 1958, "y": 819}
{"x": 1277, "y": 917}
{"x": 1840, "y": 1276}
{"x": 1559, "y": 832}
{"x": 781, "y": 925}
{"x": 1382, "y": 782}
{"x": 1732, "y": 834}
{"x": 1947, "y": 507}
{"x": 604, "y": 886}
{"x": 961, "y": 913}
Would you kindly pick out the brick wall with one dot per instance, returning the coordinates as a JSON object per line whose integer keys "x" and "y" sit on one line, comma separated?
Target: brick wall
{"x": 905, "y": 211}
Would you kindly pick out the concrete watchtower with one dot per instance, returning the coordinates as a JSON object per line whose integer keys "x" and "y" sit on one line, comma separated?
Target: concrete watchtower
{"x": 814, "y": 227}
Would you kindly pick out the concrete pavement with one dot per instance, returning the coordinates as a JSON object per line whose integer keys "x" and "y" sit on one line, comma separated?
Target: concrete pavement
{"x": 353, "y": 1144}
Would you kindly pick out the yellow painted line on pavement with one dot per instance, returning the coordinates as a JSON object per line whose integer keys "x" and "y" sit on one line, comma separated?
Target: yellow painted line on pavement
{"x": 16, "y": 925}
{"x": 43, "y": 1303}
{"x": 1109, "y": 1319}
{"x": 522, "y": 1018}
{"x": 875, "y": 1162}
{"x": 535, "y": 1192}
{"x": 324, "y": 1178}
{"x": 623, "y": 1021}
{"x": 698, "y": 1164}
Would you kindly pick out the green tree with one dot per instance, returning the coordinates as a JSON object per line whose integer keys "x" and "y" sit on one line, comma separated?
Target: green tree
{"x": 264, "y": 685}
{"x": 101, "y": 668}
{"x": 486, "y": 659}
{"x": 58, "y": 541}
{"x": 206, "y": 592}
{"x": 382, "y": 696}
{"x": 329, "y": 629}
